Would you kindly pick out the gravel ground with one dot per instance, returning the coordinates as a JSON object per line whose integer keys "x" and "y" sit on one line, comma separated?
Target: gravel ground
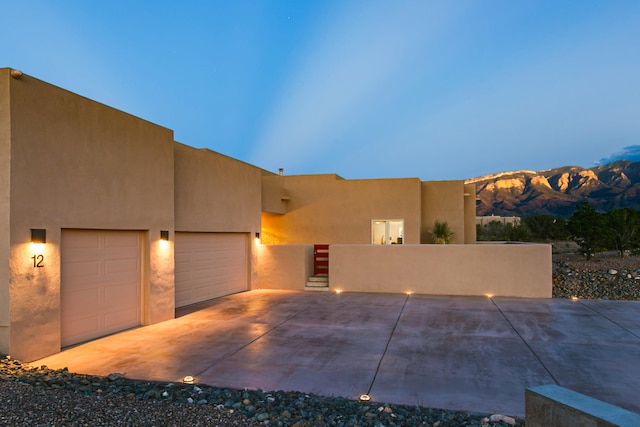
{"x": 606, "y": 276}
{"x": 38, "y": 396}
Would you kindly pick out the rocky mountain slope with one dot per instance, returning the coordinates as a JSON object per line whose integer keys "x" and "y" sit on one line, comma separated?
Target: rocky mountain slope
{"x": 557, "y": 191}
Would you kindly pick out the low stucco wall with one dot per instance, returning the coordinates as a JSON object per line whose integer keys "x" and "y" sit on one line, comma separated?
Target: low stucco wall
{"x": 284, "y": 266}
{"x": 514, "y": 270}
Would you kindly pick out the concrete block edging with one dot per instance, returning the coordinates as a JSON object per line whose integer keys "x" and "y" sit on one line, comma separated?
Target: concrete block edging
{"x": 552, "y": 405}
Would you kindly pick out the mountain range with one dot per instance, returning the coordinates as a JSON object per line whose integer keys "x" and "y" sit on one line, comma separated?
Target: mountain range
{"x": 557, "y": 191}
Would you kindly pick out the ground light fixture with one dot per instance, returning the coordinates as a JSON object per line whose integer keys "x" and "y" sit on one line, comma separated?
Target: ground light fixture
{"x": 38, "y": 235}
{"x": 164, "y": 235}
{"x": 365, "y": 398}
{"x": 189, "y": 379}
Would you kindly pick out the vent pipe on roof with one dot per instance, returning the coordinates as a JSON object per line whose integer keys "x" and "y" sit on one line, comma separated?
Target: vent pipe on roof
{"x": 281, "y": 172}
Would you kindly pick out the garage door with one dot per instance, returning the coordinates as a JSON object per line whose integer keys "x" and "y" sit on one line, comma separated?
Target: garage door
{"x": 209, "y": 265}
{"x": 100, "y": 283}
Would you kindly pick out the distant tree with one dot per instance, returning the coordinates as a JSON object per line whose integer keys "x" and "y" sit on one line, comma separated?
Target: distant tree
{"x": 518, "y": 232}
{"x": 441, "y": 232}
{"x": 499, "y": 231}
{"x": 547, "y": 227}
{"x": 491, "y": 231}
{"x": 587, "y": 228}
{"x": 622, "y": 227}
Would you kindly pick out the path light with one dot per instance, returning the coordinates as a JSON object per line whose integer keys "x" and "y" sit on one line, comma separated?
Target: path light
{"x": 489, "y": 296}
{"x": 365, "y": 398}
{"x": 574, "y": 298}
{"x": 188, "y": 379}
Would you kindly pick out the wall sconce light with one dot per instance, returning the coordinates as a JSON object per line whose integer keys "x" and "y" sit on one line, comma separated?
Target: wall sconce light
{"x": 164, "y": 235}
{"x": 257, "y": 235}
{"x": 38, "y": 235}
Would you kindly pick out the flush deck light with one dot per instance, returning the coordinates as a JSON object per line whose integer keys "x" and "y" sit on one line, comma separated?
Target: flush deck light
{"x": 38, "y": 235}
{"x": 164, "y": 235}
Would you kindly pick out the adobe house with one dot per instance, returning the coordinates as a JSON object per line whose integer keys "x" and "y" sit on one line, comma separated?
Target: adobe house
{"x": 107, "y": 223}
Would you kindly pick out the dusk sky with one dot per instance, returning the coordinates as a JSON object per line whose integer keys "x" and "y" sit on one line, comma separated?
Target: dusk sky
{"x": 365, "y": 89}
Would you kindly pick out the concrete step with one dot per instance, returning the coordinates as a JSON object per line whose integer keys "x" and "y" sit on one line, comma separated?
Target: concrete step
{"x": 317, "y": 283}
{"x": 317, "y": 288}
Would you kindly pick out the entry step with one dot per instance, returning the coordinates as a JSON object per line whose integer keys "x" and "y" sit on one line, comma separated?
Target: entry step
{"x": 317, "y": 283}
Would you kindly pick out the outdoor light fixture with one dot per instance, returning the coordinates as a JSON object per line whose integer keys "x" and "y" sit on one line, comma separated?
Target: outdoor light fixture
{"x": 38, "y": 235}
{"x": 574, "y": 298}
{"x": 257, "y": 234}
{"x": 365, "y": 398}
{"x": 164, "y": 235}
{"x": 489, "y": 295}
{"x": 338, "y": 291}
{"x": 188, "y": 379}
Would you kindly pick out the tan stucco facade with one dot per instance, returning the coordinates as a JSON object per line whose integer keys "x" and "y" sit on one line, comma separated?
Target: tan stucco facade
{"x": 5, "y": 184}
{"x": 284, "y": 266}
{"x": 70, "y": 163}
{"x": 509, "y": 270}
{"x": 77, "y": 164}
{"x": 328, "y": 209}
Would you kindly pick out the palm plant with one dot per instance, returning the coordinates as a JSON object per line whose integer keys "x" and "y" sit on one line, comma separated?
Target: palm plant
{"x": 441, "y": 232}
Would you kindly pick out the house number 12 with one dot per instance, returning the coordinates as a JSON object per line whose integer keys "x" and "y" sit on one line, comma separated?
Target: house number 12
{"x": 38, "y": 261}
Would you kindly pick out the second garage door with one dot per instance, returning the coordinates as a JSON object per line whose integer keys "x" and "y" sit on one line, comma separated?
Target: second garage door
{"x": 209, "y": 265}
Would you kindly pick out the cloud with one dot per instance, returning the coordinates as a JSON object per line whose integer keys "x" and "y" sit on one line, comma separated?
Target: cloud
{"x": 630, "y": 152}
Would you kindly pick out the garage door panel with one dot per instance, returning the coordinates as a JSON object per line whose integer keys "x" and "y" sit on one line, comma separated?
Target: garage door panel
{"x": 118, "y": 266}
{"x": 82, "y": 298}
{"x": 82, "y": 240}
{"x": 100, "y": 283}
{"x": 114, "y": 294}
{"x": 209, "y": 265}
{"x": 87, "y": 326}
{"x": 121, "y": 240}
{"x": 119, "y": 319}
{"x": 83, "y": 269}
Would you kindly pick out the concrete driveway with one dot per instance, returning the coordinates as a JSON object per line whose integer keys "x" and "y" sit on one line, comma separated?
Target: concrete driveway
{"x": 469, "y": 353}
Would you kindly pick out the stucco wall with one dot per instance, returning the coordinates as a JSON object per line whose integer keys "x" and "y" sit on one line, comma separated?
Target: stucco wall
{"x": 329, "y": 209}
{"x": 274, "y": 196}
{"x": 79, "y": 164}
{"x": 215, "y": 193}
{"x": 470, "y": 213}
{"x": 514, "y": 270}
{"x": 5, "y": 168}
{"x": 284, "y": 266}
{"x": 443, "y": 201}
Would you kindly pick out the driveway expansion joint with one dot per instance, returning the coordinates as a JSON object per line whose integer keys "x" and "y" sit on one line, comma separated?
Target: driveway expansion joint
{"x": 525, "y": 343}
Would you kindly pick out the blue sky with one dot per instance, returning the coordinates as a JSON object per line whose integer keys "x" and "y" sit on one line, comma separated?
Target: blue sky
{"x": 365, "y": 89}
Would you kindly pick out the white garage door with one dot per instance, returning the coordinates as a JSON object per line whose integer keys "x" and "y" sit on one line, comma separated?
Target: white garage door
{"x": 100, "y": 283}
{"x": 209, "y": 265}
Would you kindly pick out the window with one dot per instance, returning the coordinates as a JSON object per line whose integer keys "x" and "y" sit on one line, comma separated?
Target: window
{"x": 387, "y": 231}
